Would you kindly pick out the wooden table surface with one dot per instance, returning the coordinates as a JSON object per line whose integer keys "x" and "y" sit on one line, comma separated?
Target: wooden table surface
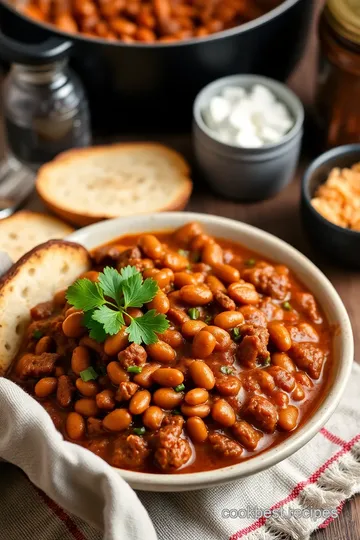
{"x": 281, "y": 217}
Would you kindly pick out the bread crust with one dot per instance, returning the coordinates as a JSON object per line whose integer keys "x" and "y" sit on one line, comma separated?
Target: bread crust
{"x": 87, "y": 218}
{"x": 35, "y": 278}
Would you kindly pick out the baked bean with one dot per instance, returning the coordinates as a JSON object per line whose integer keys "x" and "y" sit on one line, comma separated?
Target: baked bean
{"x": 202, "y": 410}
{"x": 298, "y": 393}
{"x": 172, "y": 338}
{"x": 190, "y": 328}
{"x": 117, "y": 420}
{"x": 243, "y": 293}
{"x": 44, "y": 345}
{"x": 167, "y": 398}
{"x": 215, "y": 284}
{"x": 280, "y": 398}
{"x": 45, "y": 387}
{"x": 75, "y": 426}
{"x": 80, "y": 359}
{"x": 144, "y": 378}
{"x": 223, "y": 413}
{"x": 140, "y": 402}
{"x": 279, "y": 335}
{"x": 145, "y": 34}
{"x": 160, "y": 303}
{"x": 134, "y": 313}
{"x": 177, "y": 316}
{"x": 73, "y": 325}
{"x": 123, "y": 27}
{"x": 212, "y": 254}
{"x": 116, "y": 373}
{"x": 228, "y": 385}
{"x": 163, "y": 278}
{"x": 196, "y": 429}
{"x": 168, "y": 376}
{"x": 105, "y": 400}
{"x": 150, "y": 245}
{"x": 71, "y": 310}
{"x": 304, "y": 379}
{"x": 282, "y": 360}
{"x": 184, "y": 278}
{"x": 226, "y": 273}
{"x": 198, "y": 242}
{"x": 196, "y": 295}
{"x": 88, "y": 388}
{"x": 288, "y": 418}
{"x": 60, "y": 298}
{"x": 116, "y": 343}
{"x": 229, "y": 319}
{"x": 86, "y": 407}
{"x": 202, "y": 374}
{"x": 175, "y": 261}
{"x": 59, "y": 370}
{"x": 202, "y": 32}
{"x": 92, "y": 275}
{"x": 153, "y": 417}
{"x": 161, "y": 352}
{"x": 187, "y": 232}
{"x": 203, "y": 345}
{"x": 223, "y": 339}
{"x": 196, "y": 396}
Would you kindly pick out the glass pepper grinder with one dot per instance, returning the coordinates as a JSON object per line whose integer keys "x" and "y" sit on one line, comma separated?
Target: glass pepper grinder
{"x": 45, "y": 112}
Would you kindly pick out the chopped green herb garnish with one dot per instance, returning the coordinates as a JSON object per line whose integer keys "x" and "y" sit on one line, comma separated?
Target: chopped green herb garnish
{"x": 139, "y": 430}
{"x": 267, "y": 361}
{"x": 179, "y": 388}
{"x": 208, "y": 319}
{"x": 183, "y": 253}
{"x": 250, "y": 262}
{"x": 37, "y": 334}
{"x": 88, "y": 374}
{"x": 287, "y": 306}
{"x": 175, "y": 412}
{"x": 188, "y": 266}
{"x": 226, "y": 370}
{"x": 194, "y": 313}
{"x": 236, "y": 334}
{"x": 106, "y": 302}
{"x": 134, "y": 369}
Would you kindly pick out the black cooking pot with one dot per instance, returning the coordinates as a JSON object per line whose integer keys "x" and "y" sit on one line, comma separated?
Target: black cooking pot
{"x": 136, "y": 85}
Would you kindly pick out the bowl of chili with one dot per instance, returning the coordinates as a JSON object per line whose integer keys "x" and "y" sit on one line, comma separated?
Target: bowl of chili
{"x": 199, "y": 350}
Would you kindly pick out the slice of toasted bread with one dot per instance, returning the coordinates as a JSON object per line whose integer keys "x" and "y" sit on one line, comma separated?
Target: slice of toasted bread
{"x": 35, "y": 278}
{"x": 24, "y": 230}
{"x": 90, "y": 184}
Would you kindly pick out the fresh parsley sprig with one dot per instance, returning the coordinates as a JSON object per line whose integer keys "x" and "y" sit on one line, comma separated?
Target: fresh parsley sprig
{"x": 106, "y": 302}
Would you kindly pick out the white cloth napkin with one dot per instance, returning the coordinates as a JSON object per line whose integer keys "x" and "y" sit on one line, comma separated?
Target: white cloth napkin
{"x": 301, "y": 494}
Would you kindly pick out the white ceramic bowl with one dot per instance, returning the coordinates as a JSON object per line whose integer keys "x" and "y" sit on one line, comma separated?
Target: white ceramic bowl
{"x": 271, "y": 247}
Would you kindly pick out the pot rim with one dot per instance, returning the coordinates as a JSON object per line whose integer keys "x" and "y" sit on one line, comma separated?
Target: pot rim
{"x": 240, "y": 29}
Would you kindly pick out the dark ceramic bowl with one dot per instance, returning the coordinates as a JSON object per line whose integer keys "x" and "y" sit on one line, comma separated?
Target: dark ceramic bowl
{"x": 342, "y": 245}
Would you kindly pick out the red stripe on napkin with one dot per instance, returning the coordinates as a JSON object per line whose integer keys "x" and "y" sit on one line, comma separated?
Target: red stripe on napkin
{"x": 347, "y": 446}
{"x": 63, "y": 516}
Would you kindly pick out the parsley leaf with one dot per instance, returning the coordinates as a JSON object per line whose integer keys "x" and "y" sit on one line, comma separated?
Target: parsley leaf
{"x": 128, "y": 272}
{"x": 85, "y": 294}
{"x": 137, "y": 293}
{"x": 96, "y": 329}
{"x": 110, "y": 282}
{"x": 111, "y": 320}
{"x": 142, "y": 329}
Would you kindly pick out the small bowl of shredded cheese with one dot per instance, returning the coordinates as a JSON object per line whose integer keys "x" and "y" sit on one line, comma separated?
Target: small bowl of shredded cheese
{"x": 247, "y": 133}
{"x": 331, "y": 203}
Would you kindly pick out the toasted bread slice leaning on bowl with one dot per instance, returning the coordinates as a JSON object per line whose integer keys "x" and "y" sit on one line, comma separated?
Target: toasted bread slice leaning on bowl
{"x": 55, "y": 265}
